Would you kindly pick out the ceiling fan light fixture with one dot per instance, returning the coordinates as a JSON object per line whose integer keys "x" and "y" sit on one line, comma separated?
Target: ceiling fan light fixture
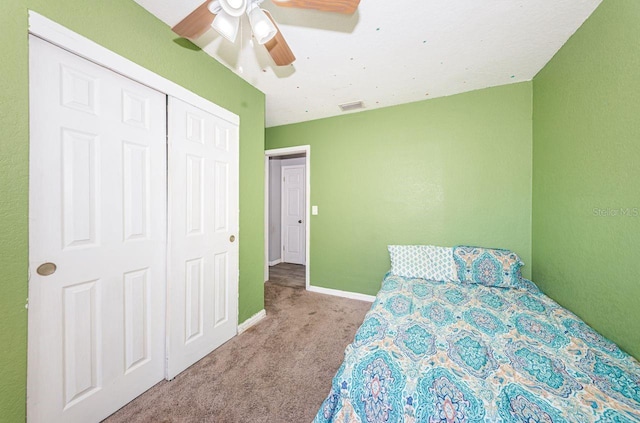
{"x": 234, "y": 8}
{"x": 263, "y": 29}
{"x": 226, "y": 25}
{"x": 214, "y": 7}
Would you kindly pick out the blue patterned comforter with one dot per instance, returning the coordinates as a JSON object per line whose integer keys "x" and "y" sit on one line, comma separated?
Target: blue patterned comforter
{"x": 449, "y": 352}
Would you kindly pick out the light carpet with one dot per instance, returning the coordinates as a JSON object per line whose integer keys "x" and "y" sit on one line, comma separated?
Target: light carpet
{"x": 280, "y": 370}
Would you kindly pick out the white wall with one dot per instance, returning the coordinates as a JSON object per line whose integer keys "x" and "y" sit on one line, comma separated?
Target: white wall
{"x": 275, "y": 220}
{"x": 275, "y": 176}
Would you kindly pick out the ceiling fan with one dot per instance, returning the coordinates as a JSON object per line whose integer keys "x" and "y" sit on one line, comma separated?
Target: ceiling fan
{"x": 224, "y": 16}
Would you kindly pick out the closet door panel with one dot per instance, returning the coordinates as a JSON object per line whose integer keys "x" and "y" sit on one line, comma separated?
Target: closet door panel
{"x": 97, "y": 238}
{"x": 203, "y": 234}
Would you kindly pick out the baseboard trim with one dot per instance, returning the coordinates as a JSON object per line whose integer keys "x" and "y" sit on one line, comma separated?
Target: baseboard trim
{"x": 340, "y": 293}
{"x": 277, "y": 261}
{"x": 251, "y": 321}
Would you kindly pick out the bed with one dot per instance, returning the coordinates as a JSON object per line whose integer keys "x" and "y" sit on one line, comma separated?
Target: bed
{"x": 453, "y": 351}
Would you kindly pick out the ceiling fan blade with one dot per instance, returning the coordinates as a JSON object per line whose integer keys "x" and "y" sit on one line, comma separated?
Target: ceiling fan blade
{"x": 337, "y": 6}
{"x": 196, "y": 23}
{"x": 278, "y": 47}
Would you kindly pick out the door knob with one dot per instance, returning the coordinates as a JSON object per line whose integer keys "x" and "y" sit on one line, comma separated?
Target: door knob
{"x": 232, "y": 238}
{"x": 46, "y": 269}
{"x": 299, "y": 221}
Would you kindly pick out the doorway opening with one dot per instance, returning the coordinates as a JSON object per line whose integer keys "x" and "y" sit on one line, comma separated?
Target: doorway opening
{"x": 287, "y": 212}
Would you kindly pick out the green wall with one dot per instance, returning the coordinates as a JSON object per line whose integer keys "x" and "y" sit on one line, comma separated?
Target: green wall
{"x": 586, "y": 168}
{"x": 453, "y": 170}
{"x": 123, "y": 27}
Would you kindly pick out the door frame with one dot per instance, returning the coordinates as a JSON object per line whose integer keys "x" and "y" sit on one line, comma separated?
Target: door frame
{"x": 301, "y": 149}
{"x": 282, "y": 206}
{"x": 58, "y": 35}
{"x": 63, "y": 37}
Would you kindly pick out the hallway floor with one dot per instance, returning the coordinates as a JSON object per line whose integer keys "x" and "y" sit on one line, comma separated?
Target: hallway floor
{"x": 288, "y": 274}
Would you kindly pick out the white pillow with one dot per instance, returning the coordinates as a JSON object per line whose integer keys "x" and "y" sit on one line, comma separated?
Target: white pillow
{"x": 408, "y": 261}
{"x": 440, "y": 265}
{"x": 423, "y": 261}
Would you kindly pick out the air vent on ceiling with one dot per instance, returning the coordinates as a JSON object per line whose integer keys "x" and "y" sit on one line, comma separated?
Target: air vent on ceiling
{"x": 347, "y": 107}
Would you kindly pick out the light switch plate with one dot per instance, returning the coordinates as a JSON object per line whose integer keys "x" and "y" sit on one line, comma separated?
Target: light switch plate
{"x": 314, "y": 210}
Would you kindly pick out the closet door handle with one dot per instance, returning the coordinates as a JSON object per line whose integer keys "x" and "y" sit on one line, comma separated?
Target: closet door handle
{"x": 232, "y": 238}
{"x": 46, "y": 269}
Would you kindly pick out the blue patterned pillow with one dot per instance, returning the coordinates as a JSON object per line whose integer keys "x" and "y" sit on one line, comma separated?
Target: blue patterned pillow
{"x": 407, "y": 260}
{"x": 488, "y": 266}
{"x": 528, "y": 285}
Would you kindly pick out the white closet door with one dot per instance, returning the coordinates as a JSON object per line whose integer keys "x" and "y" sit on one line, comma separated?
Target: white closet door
{"x": 203, "y": 234}
{"x": 97, "y": 212}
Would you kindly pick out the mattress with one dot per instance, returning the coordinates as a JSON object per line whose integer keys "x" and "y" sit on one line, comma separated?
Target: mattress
{"x": 432, "y": 351}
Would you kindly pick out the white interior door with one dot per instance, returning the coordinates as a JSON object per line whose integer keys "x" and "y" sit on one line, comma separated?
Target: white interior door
{"x": 97, "y": 203}
{"x": 203, "y": 222}
{"x": 293, "y": 214}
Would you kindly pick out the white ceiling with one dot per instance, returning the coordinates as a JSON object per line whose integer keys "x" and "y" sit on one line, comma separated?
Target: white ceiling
{"x": 384, "y": 56}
